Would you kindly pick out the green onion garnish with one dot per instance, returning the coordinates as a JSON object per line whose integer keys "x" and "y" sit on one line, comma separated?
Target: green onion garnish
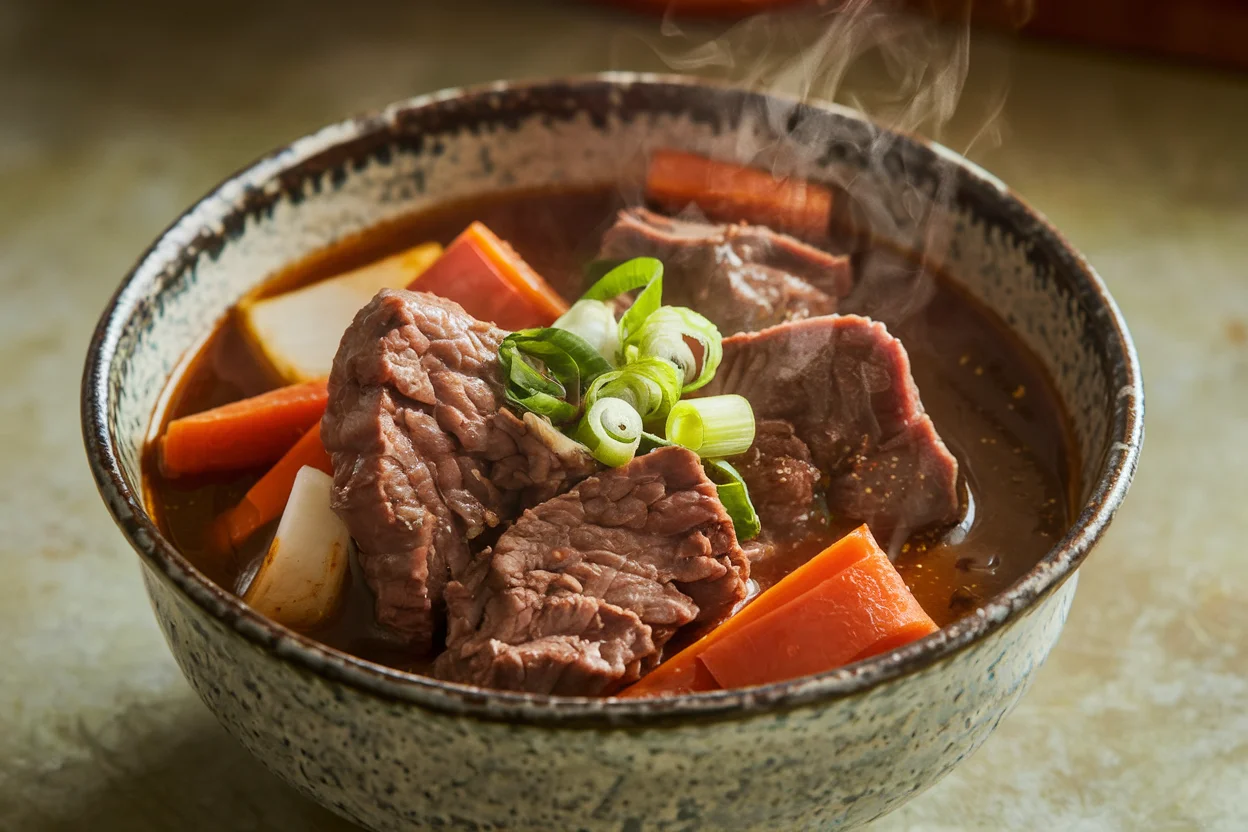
{"x": 596, "y": 270}
{"x": 666, "y": 334}
{"x": 623, "y": 377}
{"x": 545, "y": 371}
{"x": 735, "y": 498}
{"x": 651, "y": 442}
{"x": 624, "y": 278}
{"x": 713, "y": 427}
{"x": 611, "y": 429}
{"x": 632, "y": 274}
{"x": 650, "y": 385}
{"x": 594, "y": 321}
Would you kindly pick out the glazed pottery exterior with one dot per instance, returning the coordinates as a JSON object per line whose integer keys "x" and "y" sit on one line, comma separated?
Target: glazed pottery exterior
{"x": 398, "y": 752}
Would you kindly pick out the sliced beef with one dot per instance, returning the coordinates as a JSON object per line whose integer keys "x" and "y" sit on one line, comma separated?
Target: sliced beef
{"x": 784, "y": 486}
{"x": 741, "y": 277}
{"x": 844, "y": 384}
{"x": 579, "y": 596}
{"x": 779, "y": 473}
{"x": 424, "y": 458}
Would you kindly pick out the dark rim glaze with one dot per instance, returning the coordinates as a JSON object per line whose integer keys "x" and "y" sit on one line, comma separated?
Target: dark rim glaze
{"x": 407, "y": 126}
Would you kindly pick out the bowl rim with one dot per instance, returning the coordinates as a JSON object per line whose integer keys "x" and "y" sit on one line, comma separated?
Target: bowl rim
{"x": 177, "y": 245}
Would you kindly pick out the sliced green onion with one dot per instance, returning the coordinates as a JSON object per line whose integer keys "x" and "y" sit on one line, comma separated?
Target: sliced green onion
{"x": 625, "y": 277}
{"x": 712, "y": 427}
{"x": 545, "y": 371}
{"x": 650, "y": 385}
{"x": 665, "y": 334}
{"x": 651, "y": 442}
{"x": 632, "y": 274}
{"x": 611, "y": 429}
{"x": 596, "y": 270}
{"x": 735, "y": 497}
{"x": 647, "y": 303}
{"x": 594, "y": 321}
{"x": 530, "y": 390}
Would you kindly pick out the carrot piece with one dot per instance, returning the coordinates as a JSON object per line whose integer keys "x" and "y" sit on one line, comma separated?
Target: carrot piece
{"x": 484, "y": 275}
{"x": 686, "y": 672}
{"x": 848, "y": 617}
{"x": 242, "y": 434}
{"x": 266, "y": 500}
{"x": 733, "y": 193}
{"x": 682, "y": 672}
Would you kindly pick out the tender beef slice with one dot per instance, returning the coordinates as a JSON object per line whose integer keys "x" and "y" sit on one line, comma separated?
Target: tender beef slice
{"x": 780, "y": 476}
{"x": 844, "y": 384}
{"x": 741, "y": 277}
{"x": 783, "y": 484}
{"x": 579, "y": 596}
{"x": 424, "y": 459}
{"x": 534, "y": 461}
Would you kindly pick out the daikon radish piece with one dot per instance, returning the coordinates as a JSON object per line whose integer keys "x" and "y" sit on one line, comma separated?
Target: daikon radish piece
{"x": 297, "y": 333}
{"x": 301, "y": 580}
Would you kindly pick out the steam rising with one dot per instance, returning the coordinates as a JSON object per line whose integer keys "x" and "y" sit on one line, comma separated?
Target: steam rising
{"x": 903, "y": 70}
{"x": 906, "y": 72}
{"x": 809, "y": 55}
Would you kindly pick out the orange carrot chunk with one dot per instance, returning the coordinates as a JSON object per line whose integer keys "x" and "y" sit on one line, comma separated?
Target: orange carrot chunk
{"x": 266, "y": 500}
{"x": 683, "y": 673}
{"x": 484, "y": 275}
{"x": 732, "y": 193}
{"x": 243, "y": 434}
{"x": 853, "y": 572}
{"x": 846, "y": 618}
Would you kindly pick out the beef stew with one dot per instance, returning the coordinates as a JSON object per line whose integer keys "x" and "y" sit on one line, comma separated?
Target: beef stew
{"x": 450, "y": 596}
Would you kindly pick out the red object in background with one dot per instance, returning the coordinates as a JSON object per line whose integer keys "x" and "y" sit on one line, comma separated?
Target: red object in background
{"x": 723, "y": 9}
{"x": 1211, "y": 31}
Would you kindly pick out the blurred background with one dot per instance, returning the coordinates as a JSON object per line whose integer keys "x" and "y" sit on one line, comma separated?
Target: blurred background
{"x": 1125, "y": 121}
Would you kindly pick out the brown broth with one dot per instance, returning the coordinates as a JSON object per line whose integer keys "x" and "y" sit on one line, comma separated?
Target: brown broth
{"x": 989, "y": 398}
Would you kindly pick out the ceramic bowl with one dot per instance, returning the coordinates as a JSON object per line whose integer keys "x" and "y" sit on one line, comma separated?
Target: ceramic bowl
{"x": 397, "y": 752}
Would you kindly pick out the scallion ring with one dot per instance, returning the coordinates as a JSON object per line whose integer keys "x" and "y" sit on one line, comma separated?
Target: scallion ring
{"x": 632, "y": 274}
{"x": 666, "y": 334}
{"x": 593, "y": 321}
{"x": 650, "y": 385}
{"x": 625, "y": 277}
{"x": 713, "y": 427}
{"x": 611, "y": 429}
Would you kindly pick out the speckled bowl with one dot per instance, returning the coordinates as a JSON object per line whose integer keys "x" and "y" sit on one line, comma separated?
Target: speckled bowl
{"x": 397, "y": 752}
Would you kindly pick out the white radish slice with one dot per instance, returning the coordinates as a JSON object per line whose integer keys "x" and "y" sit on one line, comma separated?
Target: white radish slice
{"x": 301, "y": 579}
{"x": 297, "y": 333}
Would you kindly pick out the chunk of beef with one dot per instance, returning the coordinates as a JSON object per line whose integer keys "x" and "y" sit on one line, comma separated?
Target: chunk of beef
{"x": 783, "y": 484}
{"x": 579, "y": 596}
{"x": 741, "y": 277}
{"x": 781, "y": 478}
{"x": 844, "y": 384}
{"x": 424, "y": 458}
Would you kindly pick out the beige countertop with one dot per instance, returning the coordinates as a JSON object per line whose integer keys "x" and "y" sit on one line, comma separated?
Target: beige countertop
{"x": 112, "y": 121}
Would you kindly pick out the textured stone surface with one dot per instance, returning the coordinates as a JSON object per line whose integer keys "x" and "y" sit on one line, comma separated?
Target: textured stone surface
{"x": 114, "y": 121}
